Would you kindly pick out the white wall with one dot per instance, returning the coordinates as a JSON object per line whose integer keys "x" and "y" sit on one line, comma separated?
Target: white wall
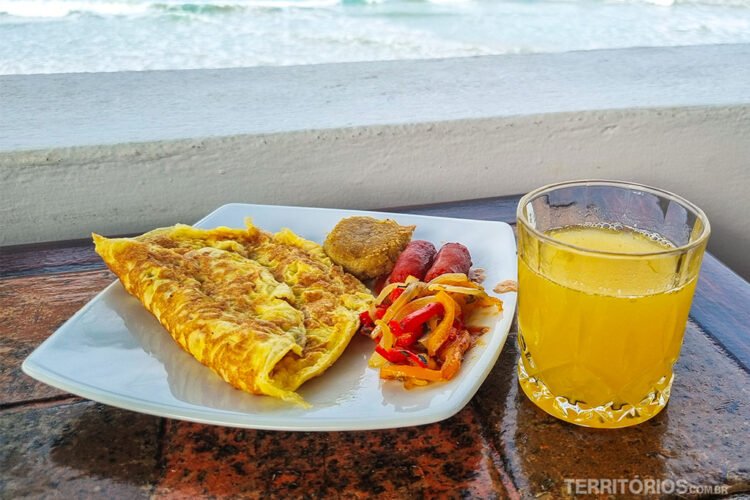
{"x": 124, "y": 152}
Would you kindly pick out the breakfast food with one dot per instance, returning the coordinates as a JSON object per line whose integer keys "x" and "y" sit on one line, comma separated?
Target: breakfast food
{"x": 266, "y": 312}
{"x": 415, "y": 260}
{"x": 423, "y": 330}
{"x": 367, "y": 247}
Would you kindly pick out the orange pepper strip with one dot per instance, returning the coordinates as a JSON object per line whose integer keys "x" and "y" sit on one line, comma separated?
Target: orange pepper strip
{"x": 390, "y": 372}
{"x": 454, "y": 354}
{"x": 438, "y": 337}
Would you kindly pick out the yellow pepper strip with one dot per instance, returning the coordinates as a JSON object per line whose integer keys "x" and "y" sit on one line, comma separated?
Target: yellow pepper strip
{"x": 456, "y": 289}
{"x": 376, "y": 360}
{"x": 443, "y": 330}
{"x": 390, "y": 372}
{"x": 386, "y": 340}
{"x": 414, "y": 382}
{"x": 458, "y": 279}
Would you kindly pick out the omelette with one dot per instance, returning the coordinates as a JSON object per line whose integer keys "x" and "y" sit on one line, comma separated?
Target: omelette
{"x": 266, "y": 312}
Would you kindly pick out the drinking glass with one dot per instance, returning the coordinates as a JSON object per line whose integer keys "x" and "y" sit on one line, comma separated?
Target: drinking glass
{"x": 606, "y": 275}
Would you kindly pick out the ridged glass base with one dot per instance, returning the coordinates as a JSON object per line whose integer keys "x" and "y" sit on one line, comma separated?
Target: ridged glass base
{"x": 605, "y": 416}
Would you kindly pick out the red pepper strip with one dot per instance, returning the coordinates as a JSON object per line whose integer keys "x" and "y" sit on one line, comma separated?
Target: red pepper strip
{"x": 390, "y": 355}
{"x": 380, "y": 312}
{"x": 395, "y": 327}
{"x": 412, "y": 322}
{"x": 418, "y": 359}
{"x": 396, "y": 293}
{"x": 408, "y": 339}
{"x": 365, "y": 319}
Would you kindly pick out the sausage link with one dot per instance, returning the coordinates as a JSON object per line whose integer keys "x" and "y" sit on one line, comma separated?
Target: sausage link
{"x": 415, "y": 260}
{"x": 452, "y": 258}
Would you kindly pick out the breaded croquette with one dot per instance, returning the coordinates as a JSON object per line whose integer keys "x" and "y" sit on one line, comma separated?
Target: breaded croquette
{"x": 367, "y": 247}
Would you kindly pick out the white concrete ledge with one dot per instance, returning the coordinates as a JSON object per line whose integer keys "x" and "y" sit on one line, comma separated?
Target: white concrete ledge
{"x": 124, "y": 152}
{"x": 44, "y": 111}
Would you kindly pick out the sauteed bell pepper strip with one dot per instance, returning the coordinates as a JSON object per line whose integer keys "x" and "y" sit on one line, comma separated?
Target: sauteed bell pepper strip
{"x": 396, "y": 293}
{"x": 408, "y": 339}
{"x": 456, "y": 279}
{"x": 385, "y": 292}
{"x": 408, "y": 371}
{"x": 415, "y": 320}
{"x": 419, "y": 359}
{"x": 399, "y": 356}
{"x": 365, "y": 319}
{"x": 390, "y": 354}
{"x": 390, "y": 288}
{"x": 456, "y": 289}
{"x": 385, "y": 341}
{"x": 413, "y": 306}
{"x": 454, "y": 353}
{"x": 443, "y": 330}
{"x": 409, "y": 293}
{"x": 412, "y": 325}
{"x": 419, "y": 327}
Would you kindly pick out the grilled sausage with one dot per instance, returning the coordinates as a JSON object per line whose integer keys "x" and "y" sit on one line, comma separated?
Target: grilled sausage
{"x": 452, "y": 258}
{"x": 415, "y": 260}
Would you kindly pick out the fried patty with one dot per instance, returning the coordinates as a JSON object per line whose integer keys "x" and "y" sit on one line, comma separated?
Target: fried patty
{"x": 367, "y": 247}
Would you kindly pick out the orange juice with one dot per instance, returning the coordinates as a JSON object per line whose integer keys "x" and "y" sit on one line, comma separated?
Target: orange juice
{"x": 599, "y": 334}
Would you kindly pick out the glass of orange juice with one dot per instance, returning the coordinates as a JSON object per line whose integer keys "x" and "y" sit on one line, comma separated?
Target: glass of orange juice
{"x": 606, "y": 274}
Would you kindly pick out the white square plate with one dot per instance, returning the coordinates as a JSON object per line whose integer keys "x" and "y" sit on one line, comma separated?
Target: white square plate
{"x": 113, "y": 351}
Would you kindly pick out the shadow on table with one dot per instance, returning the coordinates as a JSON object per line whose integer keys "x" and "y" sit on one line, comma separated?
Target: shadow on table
{"x": 78, "y": 450}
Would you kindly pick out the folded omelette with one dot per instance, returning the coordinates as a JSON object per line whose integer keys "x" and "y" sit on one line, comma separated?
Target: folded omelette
{"x": 266, "y": 312}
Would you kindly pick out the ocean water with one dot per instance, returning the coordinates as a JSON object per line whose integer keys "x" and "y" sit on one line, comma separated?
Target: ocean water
{"x": 53, "y": 36}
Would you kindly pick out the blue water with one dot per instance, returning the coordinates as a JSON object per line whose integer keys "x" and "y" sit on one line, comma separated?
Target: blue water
{"x": 51, "y": 36}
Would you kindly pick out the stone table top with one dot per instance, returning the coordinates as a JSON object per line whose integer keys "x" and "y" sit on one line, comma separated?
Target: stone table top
{"x": 500, "y": 445}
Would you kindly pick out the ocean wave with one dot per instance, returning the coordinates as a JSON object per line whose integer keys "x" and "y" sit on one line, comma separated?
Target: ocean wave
{"x": 672, "y": 3}
{"x": 217, "y": 8}
{"x": 63, "y": 8}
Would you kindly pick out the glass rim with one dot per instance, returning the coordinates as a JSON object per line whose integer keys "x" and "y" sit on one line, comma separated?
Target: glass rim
{"x": 528, "y": 197}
